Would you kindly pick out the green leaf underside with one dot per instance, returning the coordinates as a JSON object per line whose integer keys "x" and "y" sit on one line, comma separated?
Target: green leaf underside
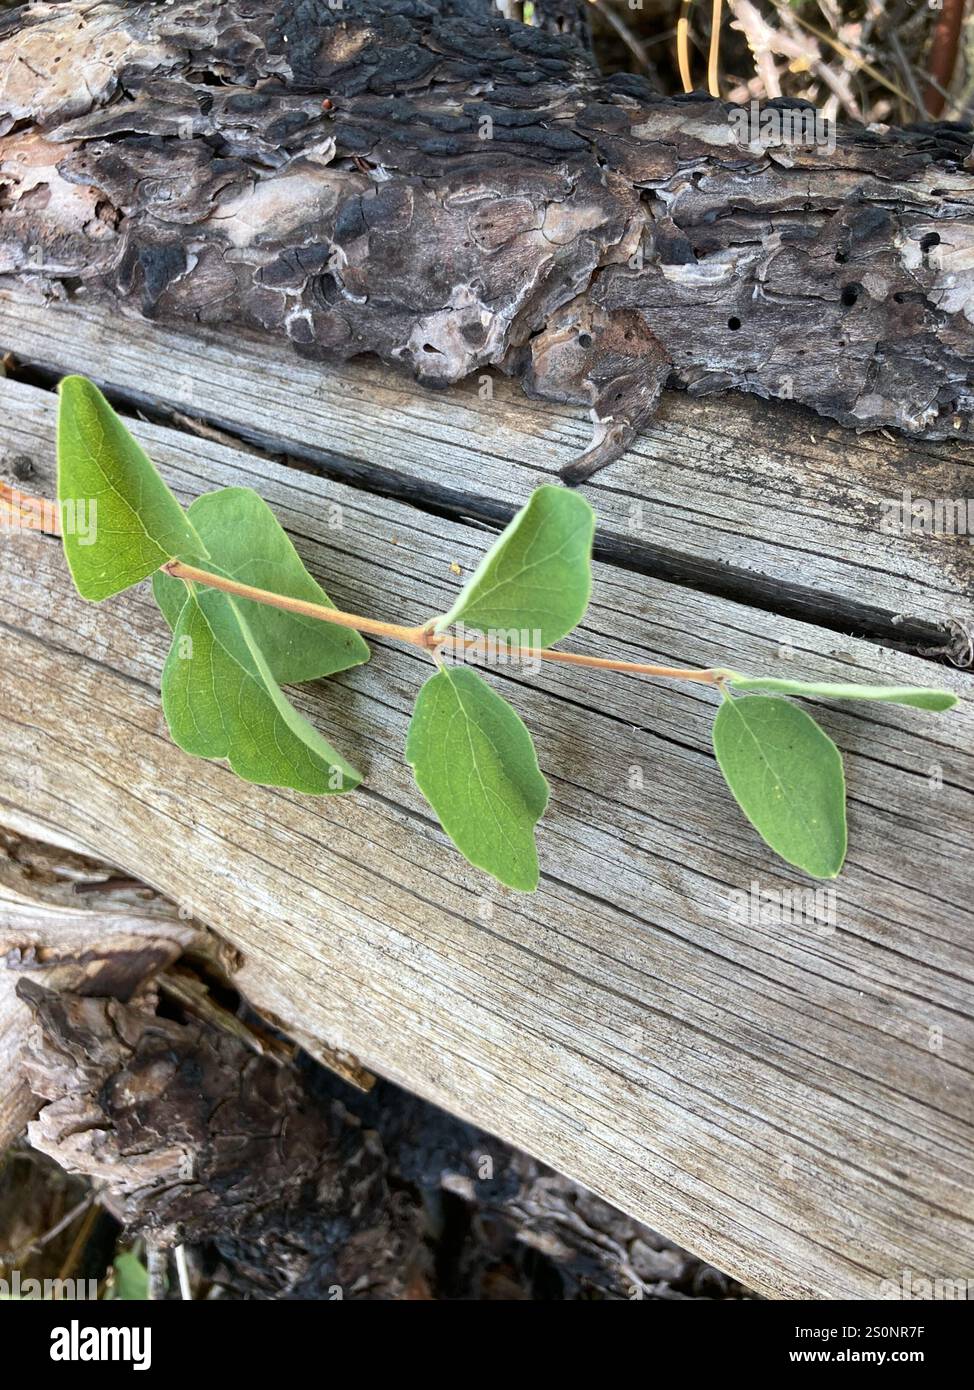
{"x": 138, "y": 524}
{"x": 221, "y": 701}
{"x": 786, "y": 775}
{"x": 537, "y": 576}
{"x": 245, "y": 541}
{"x": 918, "y": 696}
{"x": 131, "y": 1277}
{"x": 221, "y": 682}
{"x": 474, "y": 761}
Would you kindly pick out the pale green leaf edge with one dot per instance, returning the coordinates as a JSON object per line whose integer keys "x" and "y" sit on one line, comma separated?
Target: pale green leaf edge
{"x": 729, "y": 700}
{"x": 917, "y": 696}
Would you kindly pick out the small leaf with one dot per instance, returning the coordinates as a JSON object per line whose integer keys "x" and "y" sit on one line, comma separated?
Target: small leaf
{"x": 919, "y": 696}
{"x": 474, "y": 761}
{"x": 221, "y": 701}
{"x": 133, "y": 524}
{"x": 245, "y": 541}
{"x": 131, "y": 1278}
{"x": 537, "y": 576}
{"x": 786, "y": 776}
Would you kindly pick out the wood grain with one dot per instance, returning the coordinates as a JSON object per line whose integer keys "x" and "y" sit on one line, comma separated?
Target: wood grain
{"x": 793, "y": 1105}
{"x": 766, "y": 503}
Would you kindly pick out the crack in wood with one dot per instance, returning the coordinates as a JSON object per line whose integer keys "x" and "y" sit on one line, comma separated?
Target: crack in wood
{"x": 948, "y": 641}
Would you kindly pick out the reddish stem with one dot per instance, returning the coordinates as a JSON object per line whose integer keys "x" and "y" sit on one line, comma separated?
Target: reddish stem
{"x": 943, "y": 54}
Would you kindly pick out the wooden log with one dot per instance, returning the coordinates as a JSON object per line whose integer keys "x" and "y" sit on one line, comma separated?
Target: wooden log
{"x": 453, "y": 191}
{"x": 793, "y": 1105}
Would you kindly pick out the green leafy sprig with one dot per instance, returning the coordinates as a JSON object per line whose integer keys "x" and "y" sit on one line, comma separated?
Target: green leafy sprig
{"x": 247, "y": 618}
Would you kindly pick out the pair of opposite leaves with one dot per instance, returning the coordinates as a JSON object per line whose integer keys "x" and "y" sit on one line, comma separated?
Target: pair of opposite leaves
{"x": 471, "y": 755}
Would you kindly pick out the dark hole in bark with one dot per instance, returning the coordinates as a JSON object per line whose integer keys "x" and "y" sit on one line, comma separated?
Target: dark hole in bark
{"x": 928, "y": 242}
{"x": 428, "y": 347}
{"x": 585, "y": 340}
{"x": 850, "y": 293}
{"x": 733, "y": 322}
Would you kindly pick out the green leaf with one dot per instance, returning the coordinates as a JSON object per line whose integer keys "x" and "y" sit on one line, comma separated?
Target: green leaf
{"x": 919, "y": 696}
{"x": 537, "y": 576}
{"x": 786, "y": 776}
{"x": 245, "y": 541}
{"x": 221, "y": 700}
{"x": 131, "y": 1281}
{"x": 474, "y": 761}
{"x": 131, "y": 524}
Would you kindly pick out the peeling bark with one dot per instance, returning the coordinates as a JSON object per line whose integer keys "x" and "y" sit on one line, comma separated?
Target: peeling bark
{"x": 454, "y": 192}
{"x": 197, "y": 1140}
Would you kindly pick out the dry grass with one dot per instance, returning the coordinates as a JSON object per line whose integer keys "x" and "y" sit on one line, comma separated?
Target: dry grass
{"x": 865, "y": 60}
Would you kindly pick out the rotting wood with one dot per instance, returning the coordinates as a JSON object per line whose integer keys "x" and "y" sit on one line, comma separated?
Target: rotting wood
{"x": 768, "y": 1097}
{"x": 74, "y": 923}
{"x": 196, "y": 1137}
{"x": 453, "y": 191}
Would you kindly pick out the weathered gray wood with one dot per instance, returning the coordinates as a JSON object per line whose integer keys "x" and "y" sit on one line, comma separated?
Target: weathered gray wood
{"x": 16, "y": 1103}
{"x": 762, "y": 502}
{"x": 794, "y": 1106}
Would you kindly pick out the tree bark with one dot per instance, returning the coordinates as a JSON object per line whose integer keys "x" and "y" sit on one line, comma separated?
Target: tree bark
{"x": 454, "y": 191}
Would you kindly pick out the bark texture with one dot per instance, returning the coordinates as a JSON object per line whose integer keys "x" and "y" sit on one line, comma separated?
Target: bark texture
{"x": 198, "y": 1138}
{"x": 454, "y": 191}
{"x": 301, "y": 1192}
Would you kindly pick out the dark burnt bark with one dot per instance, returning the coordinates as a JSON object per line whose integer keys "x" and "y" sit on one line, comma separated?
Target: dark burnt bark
{"x": 453, "y": 191}
{"x": 297, "y": 1186}
{"x": 198, "y": 1138}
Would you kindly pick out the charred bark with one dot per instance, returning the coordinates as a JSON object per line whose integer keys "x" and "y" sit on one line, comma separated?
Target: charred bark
{"x": 297, "y": 1186}
{"x": 453, "y": 191}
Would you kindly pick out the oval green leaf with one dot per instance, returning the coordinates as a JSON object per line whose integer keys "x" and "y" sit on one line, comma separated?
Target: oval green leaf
{"x": 537, "y": 576}
{"x": 474, "y": 761}
{"x": 244, "y": 540}
{"x": 132, "y": 522}
{"x": 221, "y": 700}
{"x": 131, "y": 1279}
{"x": 919, "y": 696}
{"x": 786, "y": 775}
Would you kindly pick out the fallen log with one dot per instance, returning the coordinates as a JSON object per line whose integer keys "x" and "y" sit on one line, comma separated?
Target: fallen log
{"x": 196, "y": 1124}
{"x": 453, "y": 191}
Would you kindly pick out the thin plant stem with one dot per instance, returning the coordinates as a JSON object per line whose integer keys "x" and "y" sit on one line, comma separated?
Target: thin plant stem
{"x": 683, "y": 45}
{"x": 713, "y": 79}
{"x": 423, "y": 636}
